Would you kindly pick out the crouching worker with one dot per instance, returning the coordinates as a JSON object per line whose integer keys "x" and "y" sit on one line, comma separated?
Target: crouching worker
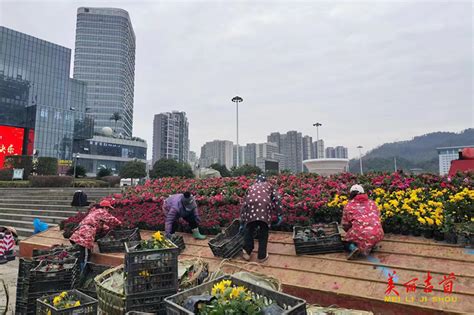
{"x": 361, "y": 221}
{"x": 97, "y": 219}
{"x": 259, "y": 202}
{"x": 182, "y": 206}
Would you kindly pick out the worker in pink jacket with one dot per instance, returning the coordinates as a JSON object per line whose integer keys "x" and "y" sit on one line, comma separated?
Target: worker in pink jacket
{"x": 361, "y": 221}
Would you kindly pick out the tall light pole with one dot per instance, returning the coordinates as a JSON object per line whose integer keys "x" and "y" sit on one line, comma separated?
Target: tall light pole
{"x": 237, "y": 100}
{"x": 76, "y": 156}
{"x": 360, "y": 159}
{"x": 317, "y": 125}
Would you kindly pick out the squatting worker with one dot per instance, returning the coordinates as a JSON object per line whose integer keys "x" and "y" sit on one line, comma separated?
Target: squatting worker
{"x": 182, "y": 206}
{"x": 361, "y": 221}
{"x": 256, "y": 212}
{"x": 98, "y": 219}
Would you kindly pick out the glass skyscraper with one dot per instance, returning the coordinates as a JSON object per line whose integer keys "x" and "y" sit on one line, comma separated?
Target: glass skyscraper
{"x": 43, "y": 69}
{"x": 105, "y": 59}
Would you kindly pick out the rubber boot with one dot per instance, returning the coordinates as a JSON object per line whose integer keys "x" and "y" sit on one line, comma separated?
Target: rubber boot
{"x": 198, "y": 235}
{"x": 354, "y": 252}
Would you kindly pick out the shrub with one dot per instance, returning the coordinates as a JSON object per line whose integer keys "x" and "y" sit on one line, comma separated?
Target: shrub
{"x": 171, "y": 168}
{"x": 51, "y": 181}
{"x": 6, "y": 174}
{"x": 47, "y": 166}
{"x": 90, "y": 183}
{"x": 20, "y": 161}
{"x": 80, "y": 171}
{"x": 112, "y": 180}
{"x": 133, "y": 169}
{"x": 15, "y": 184}
{"x": 103, "y": 172}
{"x": 222, "y": 169}
{"x": 246, "y": 170}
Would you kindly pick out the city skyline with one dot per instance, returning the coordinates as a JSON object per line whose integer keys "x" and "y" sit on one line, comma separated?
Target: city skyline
{"x": 394, "y": 69}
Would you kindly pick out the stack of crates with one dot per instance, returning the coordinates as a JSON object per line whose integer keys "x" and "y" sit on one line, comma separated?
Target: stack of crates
{"x": 151, "y": 275}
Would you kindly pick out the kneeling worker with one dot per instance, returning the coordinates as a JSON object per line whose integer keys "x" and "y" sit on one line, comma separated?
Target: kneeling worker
{"x": 182, "y": 206}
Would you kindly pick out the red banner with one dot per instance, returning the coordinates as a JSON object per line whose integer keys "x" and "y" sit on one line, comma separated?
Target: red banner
{"x": 11, "y": 142}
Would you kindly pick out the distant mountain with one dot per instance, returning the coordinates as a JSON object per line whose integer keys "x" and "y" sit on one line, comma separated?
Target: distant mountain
{"x": 420, "y": 152}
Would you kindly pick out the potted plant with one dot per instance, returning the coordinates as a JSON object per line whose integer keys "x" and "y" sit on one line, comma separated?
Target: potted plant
{"x": 448, "y": 230}
{"x": 438, "y": 235}
{"x": 462, "y": 234}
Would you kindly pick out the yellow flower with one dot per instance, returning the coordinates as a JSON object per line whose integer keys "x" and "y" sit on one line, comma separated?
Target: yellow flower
{"x": 49, "y": 312}
{"x": 421, "y": 220}
{"x": 56, "y": 300}
{"x": 63, "y": 294}
{"x": 235, "y": 293}
{"x": 218, "y": 288}
{"x": 78, "y": 303}
{"x": 430, "y": 221}
{"x": 158, "y": 236}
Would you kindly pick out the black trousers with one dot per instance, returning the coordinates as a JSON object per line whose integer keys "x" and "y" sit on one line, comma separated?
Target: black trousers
{"x": 191, "y": 219}
{"x": 262, "y": 238}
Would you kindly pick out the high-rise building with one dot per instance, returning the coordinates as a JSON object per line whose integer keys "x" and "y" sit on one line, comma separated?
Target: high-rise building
{"x": 217, "y": 151}
{"x": 307, "y": 148}
{"x": 330, "y": 153}
{"x": 241, "y": 155}
{"x": 251, "y": 154}
{"x": 170, "y": 137}
{"x": 104, "y": 58}
{"x": 318, "y": 149}
{"x": 341, "y": 152}
{"x": 291, "y": 146}
{"x": 192, "y": 159}
{"x": 38, "y": 94}
{"x": 448, "y": 154}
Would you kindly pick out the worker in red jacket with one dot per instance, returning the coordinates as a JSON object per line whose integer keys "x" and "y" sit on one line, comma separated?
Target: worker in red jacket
{"x": 259, "y": 202}
{"x": 96, "y": 219}
{"x": 361, "y": 221}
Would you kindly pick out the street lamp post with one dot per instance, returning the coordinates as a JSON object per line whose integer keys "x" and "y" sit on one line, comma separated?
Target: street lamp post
{"x": 317, "y": 125}
{"x": 76, "y": 156}
{"x": 360, "y": 159}
{"x": 237, "y": 100}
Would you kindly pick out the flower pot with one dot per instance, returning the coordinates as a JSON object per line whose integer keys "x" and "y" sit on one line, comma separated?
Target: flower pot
{"x": 428, "y": 233}
{"x": 438, "y": 235}
{"x": 471, "y": 240}
{"x": 405, "y": 230}
{"x": 387, "y": 228}
{"x": 450, "y": 237}
{"x": 416, "y": 232}
{"x": 462, "y": 239}
{"x": 396, "y": 230}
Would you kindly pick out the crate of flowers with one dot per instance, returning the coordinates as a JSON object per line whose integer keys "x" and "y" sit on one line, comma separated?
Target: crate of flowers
{"x": 66, "y": 303}
{"x": 113, "y": 300}
{"x": 86, "y": 281}
{"x": 114, "y": 241}
{"x": 54, "y": 275}
{"x": 317, "y": 239}
{"x": 230, "y": 295}
{"x": 151, "y": 265}
{"x": 228, "y": 243}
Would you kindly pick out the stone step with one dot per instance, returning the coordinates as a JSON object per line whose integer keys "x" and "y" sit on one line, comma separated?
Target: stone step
{"x": 28, "y": 218}
{"x": 27, "y": 201}
{"x": 24, "y": 232}
{"x": 17, "y": 224}
{"x": 41, "y": 206}
{"x": 35, "y": 212}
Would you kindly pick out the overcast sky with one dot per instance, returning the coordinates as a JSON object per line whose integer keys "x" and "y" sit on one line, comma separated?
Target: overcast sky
{"x": 371, "y": 72}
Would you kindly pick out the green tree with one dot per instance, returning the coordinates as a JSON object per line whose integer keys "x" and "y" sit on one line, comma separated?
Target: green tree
{"x": 133, "y": 169}
{"x": 222, "y": 169}
{"x": 171, "y": 168}
{"x": 246, "y": 170}
{"x": 47, "y": 166}
{"x": 80, "y": 171}
{"x": 116, "y": 116}
{"x": 104, "y": 172}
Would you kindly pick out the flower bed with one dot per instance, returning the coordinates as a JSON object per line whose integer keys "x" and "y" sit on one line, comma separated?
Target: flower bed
{"x": 423, "y": 203}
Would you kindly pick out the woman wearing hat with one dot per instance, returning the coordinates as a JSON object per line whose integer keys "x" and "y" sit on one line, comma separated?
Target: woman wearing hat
{"x": 97, "y": 219}
{"x": 361, "y": 221}
{"x": 182, "y": 206}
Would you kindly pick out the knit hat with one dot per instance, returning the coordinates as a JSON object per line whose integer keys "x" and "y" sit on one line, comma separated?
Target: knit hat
{"x": 357, "y": 188}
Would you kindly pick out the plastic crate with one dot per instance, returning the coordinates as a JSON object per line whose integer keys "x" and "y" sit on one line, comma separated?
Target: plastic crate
{"x": 229, "y": 243}
{"x": 178, "y": 240}
{"x": 150, "y": 270}
{"x": 59, "y": 280}
{"x": 114, "y": 241}
{"x": 86, "y": 281}
{"x": 291, "y": 304}
{"x": 88, "y": 305}
{"x": 331, "y": 242}
{"x": 113, "y": 303}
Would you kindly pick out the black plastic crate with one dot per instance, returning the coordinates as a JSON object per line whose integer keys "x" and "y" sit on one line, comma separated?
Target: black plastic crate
{"x": 88, "y": 305}
{"x": 149, "y": 302}
{"x": 150, "y": 270}
{"x": 292, "y": 305}
{"x": 329, "y": 242}
{"x": 114, "y": 241}
{"x": 178, "y": 240}
{"x": 58, "y": 280}
{"x": 86, "y": 282}
{"x": 229, "y": 243}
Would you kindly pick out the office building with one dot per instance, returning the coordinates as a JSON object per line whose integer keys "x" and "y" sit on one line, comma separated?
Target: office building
{"x": 39, "y": 96}
{"x": 217, "y": 151}
{"x": 330, "y": 153}
{"x": 171, "y": 137}
{"x": 448, "y": 154}
{"x": 307, "y": 148}
{"x": 318, "y": 149}
{"x": 341, "y": 152}
{"x": 241, "y": 152}
{"x": 193, "y": 159}
{"x": 251, "y": 154}
{"x": 104, "y": 58}
{"x": 290, "y": 145}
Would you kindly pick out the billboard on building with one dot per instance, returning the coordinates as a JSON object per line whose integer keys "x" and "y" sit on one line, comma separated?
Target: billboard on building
{"x": 11, "y": 142}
